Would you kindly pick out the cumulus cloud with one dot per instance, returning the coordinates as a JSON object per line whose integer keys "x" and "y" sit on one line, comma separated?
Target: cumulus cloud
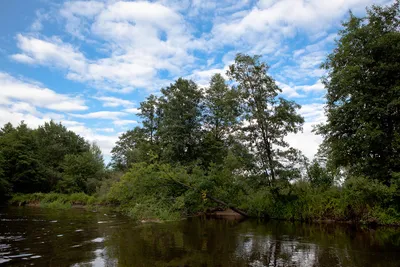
{"x": 141, "y": 39}
{"x": 106, "y": 130}
{"x": 105, "y": 142}
{"x": 124, "y": 122}
{"x": 132, "y": 110}
{"x": 143, "y": 45}
{"x": 15, "y": 89}
{"x": 110, "y": 101}
{"x": 307, "y": 141}
{"x": 105, "y": 115}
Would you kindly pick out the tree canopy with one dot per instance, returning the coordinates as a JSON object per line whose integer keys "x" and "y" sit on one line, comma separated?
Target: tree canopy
{"x": 49, "y": 158}
{"x": 362, "y": 133}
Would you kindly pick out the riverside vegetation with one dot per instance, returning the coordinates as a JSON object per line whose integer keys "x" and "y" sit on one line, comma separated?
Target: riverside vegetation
{"x": 228, "y": 142}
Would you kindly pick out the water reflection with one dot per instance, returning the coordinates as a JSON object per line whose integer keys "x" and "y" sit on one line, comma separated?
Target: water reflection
{"x": 81, "y": 238}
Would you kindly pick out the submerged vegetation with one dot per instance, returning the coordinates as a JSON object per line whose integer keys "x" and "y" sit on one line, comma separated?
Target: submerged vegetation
{"x": 226, "y": 145}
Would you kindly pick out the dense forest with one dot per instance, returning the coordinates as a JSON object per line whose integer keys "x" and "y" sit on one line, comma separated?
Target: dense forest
{"x": 225, "y": 145}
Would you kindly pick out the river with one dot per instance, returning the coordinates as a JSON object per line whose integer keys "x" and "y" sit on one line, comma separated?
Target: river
{"x": 77, "y": 237}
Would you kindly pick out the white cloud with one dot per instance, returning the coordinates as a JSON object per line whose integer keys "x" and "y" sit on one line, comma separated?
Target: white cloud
{"x": 52, "y": 52}
{"x": 289, "y": 91}
{"x": 141, "y": 38}
{"x": 106, "y": 130}
{"x": 23, "y": 58}
{"x": 15, "y": 89}
{"x": 132, "y": 110}
{"x": 105, "y": 115}
{"x": 203, "y": 77}
{"x": 37, "y": 24}
{"x": 124, "y": 122}
{"x": 317, "y": 87}
{"x": 75, "y": 14}
{"x": 105, "y": 142}
{"x": 109, "y": 101}
{"x": 144, "y": 45}
{"x": 307, "y": 141}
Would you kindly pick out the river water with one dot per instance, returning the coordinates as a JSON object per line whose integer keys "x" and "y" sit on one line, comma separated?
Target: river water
{"x": 77, "y": 237}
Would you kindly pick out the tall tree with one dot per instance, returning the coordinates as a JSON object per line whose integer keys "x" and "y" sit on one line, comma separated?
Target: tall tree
{"x": 21, "y": 165}
{"x": 130, "y": 148}
{"x": 362, "y": 133}
{"x": 269, "y": 117}
{"x": 150, "y": 113}
{"x": 55, "y": 141}
{"x": 180, "y": 127}
{"x": 221, "y": 119}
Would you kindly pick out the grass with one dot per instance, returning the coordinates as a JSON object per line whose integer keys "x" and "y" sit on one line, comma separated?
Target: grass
{"x": 53, "y": 200}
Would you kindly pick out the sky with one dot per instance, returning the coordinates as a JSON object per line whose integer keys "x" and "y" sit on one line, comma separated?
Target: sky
{"x": 88, "y": 64}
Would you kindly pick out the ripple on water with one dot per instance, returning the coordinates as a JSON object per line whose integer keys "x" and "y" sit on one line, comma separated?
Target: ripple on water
{"x": 36, "y": 257}
{"x": 20, "y": 255}
{"x": 98, "y": 240}
{"x": 13, "y": 237}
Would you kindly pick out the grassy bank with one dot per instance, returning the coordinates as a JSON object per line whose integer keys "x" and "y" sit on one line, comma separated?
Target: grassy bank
{"x": 54, "y": 200}
{"x": 154, "y": 192}
{"x": 356, "y": 201}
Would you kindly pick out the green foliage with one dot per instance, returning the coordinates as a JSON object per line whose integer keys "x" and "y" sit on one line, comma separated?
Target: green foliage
{"x": 20, "y": 164}
{"x": 45, "y": 159}
{"x": 221, "y": 112}
{"x": 180, "y": 126}
{"x": 130, "y": 148}
{"x": 358, "y": 200}
{"x": 363, "y": 92}
{"x": 270, "y": 117}
{"x": 147, "y": 192}
{"x": 228, "y": 142}
{"x": 53, "y": 200}
{"x": 319, "y": 176}
{"x": 82, "y": 172}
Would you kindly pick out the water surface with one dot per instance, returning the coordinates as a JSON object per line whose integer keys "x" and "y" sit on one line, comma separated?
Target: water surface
{"x": 76, "y": 237}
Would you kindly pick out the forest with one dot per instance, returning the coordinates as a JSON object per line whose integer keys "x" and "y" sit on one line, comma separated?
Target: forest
{"x": 225, "y": 146}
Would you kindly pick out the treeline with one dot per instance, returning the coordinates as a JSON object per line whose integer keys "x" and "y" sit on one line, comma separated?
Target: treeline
{"x": 48, "y": 158}
{"x": 190, "y": 126}
{"x": 228, "y": 142}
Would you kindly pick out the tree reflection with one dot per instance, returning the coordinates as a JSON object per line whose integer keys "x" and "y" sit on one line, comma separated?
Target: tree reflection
{"x": 201, "y": 242}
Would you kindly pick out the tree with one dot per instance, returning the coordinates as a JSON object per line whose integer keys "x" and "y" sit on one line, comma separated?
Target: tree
{"x": 5, "y": 186}
{"x": 362, "y": 132}
{"x": 180, "y": 127}
{"x": 82, "y": 172}
{"x": 21, "y": 165}
{"x": 55, "y": 141}
{"x": 221, "y": 115}
{"x": 318, "y": 175}
{"x": 269, "y": 118}
{"x": 129, "y": 149}
{"x": 45, "y": 159}
{"x": 150, "y": 113}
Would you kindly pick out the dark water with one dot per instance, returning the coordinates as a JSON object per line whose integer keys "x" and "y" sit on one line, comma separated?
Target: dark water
{"x": 44, "y": 237}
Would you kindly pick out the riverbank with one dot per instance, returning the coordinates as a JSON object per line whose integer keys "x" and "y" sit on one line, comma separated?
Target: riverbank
{"x": 139, "y": 212}
{"x": 54, "y": 200}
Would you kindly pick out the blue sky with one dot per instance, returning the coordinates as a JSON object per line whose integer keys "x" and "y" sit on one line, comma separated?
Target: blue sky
{"x": 88, "y": 64}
